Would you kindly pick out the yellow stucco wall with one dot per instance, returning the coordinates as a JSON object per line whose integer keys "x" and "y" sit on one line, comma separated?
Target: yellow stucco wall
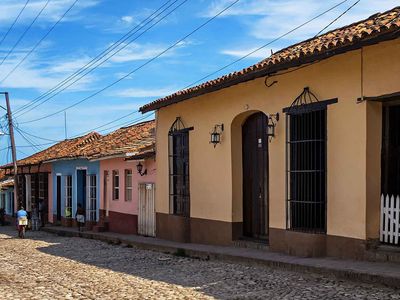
{"x": 215, "y": 173}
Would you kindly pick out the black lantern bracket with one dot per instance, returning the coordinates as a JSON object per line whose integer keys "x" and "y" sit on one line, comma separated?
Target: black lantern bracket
{"x": 272, "y": 122}
{"x": 139, "y": 168}
{"x": 216, "y": 134}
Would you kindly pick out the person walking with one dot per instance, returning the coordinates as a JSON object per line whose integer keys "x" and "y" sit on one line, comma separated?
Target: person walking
{"x": 80, "y": 217}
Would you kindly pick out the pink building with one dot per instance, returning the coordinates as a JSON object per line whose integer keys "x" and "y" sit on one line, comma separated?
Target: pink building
{"x": 120, "y": 191}
{"x": 127, "y": 179}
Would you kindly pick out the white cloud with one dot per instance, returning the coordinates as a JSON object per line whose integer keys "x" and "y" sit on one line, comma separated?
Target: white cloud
{"x": 9, "y": 9}
{"x": 145, "y": 93}
{"x": 39, "y": 75}
{"x": 136, "y": 51}
{"x": 274, "y": 18}
{"x": 237, "y": 53}
{"x": 127, "y": 19}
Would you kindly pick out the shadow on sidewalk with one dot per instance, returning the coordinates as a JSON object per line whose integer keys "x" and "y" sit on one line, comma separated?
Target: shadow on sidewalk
{"x": 207, "y": 277}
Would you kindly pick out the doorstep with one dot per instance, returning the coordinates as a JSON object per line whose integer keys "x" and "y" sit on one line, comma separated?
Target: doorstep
{"x": 385, "y": 273}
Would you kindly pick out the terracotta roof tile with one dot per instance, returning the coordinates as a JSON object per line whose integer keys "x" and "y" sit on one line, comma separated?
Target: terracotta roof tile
{"x": 381, "y": 26}
{"x": 131, "y": 140}
{"x": 66, "y": 149}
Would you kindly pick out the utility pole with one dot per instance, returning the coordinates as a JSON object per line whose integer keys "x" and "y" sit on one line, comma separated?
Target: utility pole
{"x": 65, "y": 124}
{"x": 13, "y": 148}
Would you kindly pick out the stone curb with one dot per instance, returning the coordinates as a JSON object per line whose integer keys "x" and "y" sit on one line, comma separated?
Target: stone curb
{"x": 366, "y": 277}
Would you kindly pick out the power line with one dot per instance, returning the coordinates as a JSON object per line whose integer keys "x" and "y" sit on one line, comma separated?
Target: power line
{"x": 15, "y": 21}
{"x": 28, "y": 146}
{"x": 131, "y": 122}
{"x": 27, "y": 140}
{"x": 39, "y": 42}
{"x": 25, "y": 32}
{"x": 136, "y": 69}
{"x": 105, "y": 52}
{"x": 265, "y": 45}
{"x": 38, "y": 137}
{"x": 337, "y": 18}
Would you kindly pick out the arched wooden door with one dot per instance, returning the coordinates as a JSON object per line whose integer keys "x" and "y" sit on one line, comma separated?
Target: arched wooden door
{"x": 255, "y": 176}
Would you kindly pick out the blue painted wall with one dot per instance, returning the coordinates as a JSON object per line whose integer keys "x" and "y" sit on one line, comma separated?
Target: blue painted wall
{"x": 71, "y": 167}
{"x": 9, "y": 205}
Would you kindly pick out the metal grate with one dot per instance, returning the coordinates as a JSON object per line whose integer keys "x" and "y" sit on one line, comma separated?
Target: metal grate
{"x": 68, "y": 196}
{"x": 306, "y": 169}
{"x": 179, "y": 169}
{"x": 91, "y": 198}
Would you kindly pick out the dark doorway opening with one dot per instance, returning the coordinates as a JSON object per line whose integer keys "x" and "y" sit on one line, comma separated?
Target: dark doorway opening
{"x": 255, "y": 176}
{"x": 81, "y": 188}
{"x": 391, "y": 151}
{"x": 58, "y": 198}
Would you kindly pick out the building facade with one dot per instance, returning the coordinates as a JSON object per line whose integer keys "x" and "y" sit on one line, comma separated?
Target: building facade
{"x": 295, "y": 155}
{"x": 75, "y": 182}
{"x": 121, "y": 190}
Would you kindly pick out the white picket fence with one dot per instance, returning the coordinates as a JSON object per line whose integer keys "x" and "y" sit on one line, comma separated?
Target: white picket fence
{"x": 390, "y": 219}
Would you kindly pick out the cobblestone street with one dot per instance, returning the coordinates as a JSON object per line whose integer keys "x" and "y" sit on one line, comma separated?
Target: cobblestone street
{"x": 46, "y": 266}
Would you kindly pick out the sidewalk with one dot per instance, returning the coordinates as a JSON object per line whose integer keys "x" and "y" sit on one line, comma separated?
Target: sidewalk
{"x": 373, "y": 272}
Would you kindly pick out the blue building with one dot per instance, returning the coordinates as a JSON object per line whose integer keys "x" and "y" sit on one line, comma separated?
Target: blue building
{"x": 75, "y": 181}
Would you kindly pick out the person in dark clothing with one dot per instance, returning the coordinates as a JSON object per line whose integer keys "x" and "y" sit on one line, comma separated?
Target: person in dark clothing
{"x": 80, "y": 217}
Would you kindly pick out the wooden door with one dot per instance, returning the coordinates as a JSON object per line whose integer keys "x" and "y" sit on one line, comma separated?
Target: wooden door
{"x": 146, "y": 217}
{"x": 255, "y": 176}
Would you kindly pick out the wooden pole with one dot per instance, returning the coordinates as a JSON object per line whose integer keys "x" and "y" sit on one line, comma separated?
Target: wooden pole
{"x": 13, "y": 148}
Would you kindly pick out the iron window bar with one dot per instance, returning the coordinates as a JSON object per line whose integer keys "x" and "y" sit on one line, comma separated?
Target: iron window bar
{"x": 178, "y": 146}
{"x": 306, "y": 161}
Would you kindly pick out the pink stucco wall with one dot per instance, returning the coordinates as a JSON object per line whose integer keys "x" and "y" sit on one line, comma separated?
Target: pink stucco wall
{"x": 120, "y": 205}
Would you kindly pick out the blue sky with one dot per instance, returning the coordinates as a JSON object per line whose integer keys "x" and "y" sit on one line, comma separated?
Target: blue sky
{"x": 93, "y": 25}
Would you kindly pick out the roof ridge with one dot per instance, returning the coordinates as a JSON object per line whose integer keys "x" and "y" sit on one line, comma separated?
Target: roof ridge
{"x": 371, "y": 17}
{"x": 339, "y": 40}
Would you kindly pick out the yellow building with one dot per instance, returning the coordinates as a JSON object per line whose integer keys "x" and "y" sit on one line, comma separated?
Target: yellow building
{"x": 298, "y": 141}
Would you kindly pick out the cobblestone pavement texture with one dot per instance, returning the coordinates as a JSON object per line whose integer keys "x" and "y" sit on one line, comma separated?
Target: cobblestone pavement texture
{"x": 46, "y": 266}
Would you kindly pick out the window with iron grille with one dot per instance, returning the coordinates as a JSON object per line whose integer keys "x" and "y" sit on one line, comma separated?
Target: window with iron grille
{"x": 179, "y": 191}
{"x": 68, "y": 196}
{"x": 91, "y": 207}
{"x": 306, "y": 173}
{"x": 306, "y": 166}
{"x": 115, "y": 179}
{"x": 128, "y": 185}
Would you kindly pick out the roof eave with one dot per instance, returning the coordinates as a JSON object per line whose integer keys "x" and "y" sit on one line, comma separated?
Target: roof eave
{"x": 273, "y": 69}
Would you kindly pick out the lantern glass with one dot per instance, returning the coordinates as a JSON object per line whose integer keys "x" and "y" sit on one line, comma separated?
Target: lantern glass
{"x": 271, "y": 130}
{"x": 215, "y": 138}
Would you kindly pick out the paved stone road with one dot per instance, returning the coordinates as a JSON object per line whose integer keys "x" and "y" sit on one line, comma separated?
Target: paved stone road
{"x": 46, "y": 266}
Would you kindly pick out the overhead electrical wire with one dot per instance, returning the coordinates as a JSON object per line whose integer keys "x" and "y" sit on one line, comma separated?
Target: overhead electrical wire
{"x": 38, "y": 137}
{"x": 138, "y": 68}
{"x": 27, "y": 139}
{"x": 104, "y": 53}
{"x": 15, "y": 21}
{"x": 265, "y": 45}
{"x": 25, "y": 32}
{"x": 39, "y": 42}
{"x": 337, "y": 18}
{"x": 147, "y": 116}
{"x": 124, "y": 116}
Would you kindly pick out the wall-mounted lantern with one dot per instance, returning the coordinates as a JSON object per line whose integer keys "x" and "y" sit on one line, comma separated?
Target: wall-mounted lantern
{"x": 216, "y": 134}
{"x": 272, "y": 120}
{"x": 139, "y": 168}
